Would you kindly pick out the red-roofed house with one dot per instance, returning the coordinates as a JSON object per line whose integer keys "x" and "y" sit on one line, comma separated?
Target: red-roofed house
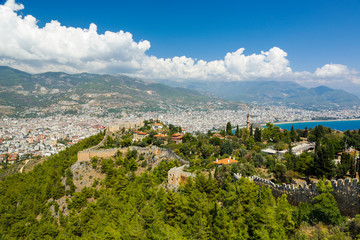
{"x": 157, "y": 126}
{"x": 225, "y": 161}
{"x": 177, "y": 137}
{"x": 217, "y": 135}
{"x": 138, "y": 136}
{"x": 12, "y": 158}
{"x": 160, "y": 135}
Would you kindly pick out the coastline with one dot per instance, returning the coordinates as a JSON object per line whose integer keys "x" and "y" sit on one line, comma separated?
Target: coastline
{"x": 334, "y": 120}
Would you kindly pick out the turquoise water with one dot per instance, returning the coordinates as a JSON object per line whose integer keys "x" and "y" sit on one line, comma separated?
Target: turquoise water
{"x": 338, "y": 125}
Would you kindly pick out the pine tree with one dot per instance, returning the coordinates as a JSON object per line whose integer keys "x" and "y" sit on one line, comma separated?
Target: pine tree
{"x": 306, "y": 132}
{"x": 323, "y": 161}
{"x": 257, "y": 135}
{"x": 284, "y": 214}
{"x": 170, "y": 208}
{"x": 228, "y": 129}
{"x": 293, "y": 134}
{"x": 237, "y": 131}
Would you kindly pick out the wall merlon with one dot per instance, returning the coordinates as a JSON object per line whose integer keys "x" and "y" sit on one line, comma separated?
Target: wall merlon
{"x": 334, "y": 183}
{"x": 355, "y": 181}
{"x": 347, "y": 182}
{"x": 340, "y": 183}
{"x": 346, "y": 192}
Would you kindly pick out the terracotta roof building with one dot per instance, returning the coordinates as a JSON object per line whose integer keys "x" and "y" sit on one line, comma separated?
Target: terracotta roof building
{"x": 225, "y": 161}
{"x": 217, "y": 135}
{"x": 138, "y": 136}
{"x": 157, "y": 126}
{"x": 177, "y": 137}
{"x": 160, "y": 135}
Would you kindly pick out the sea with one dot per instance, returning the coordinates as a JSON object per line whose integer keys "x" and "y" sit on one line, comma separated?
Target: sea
{"x": 338, "y": 125}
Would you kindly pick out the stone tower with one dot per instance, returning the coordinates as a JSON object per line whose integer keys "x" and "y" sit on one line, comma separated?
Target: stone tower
{"x": 248, "y": 122}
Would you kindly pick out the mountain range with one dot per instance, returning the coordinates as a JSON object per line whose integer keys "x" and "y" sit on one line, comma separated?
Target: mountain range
{"x": 20, "y": 91}
{"x": 273, "y": 93}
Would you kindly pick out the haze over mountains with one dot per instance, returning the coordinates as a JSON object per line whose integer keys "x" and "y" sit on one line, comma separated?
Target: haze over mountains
{"x": 20, "y": 90}
{"x": 273, "y": 93}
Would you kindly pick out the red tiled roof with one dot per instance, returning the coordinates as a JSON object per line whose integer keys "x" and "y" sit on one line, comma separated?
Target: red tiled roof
{"x": 160, "y": 135}
{"x": 225, "y": 161}
{"x": 176, "y": 135}
{"x": 140, "y": 133}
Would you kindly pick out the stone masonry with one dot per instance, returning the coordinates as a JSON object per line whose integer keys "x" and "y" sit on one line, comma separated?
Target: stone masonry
{"x": 346, "y": 193}
{"x": 177, "y": 175}
{"x": 87, "y": 155}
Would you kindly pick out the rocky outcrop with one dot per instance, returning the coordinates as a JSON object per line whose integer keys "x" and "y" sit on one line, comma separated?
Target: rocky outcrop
{"x": 84, "y": 175}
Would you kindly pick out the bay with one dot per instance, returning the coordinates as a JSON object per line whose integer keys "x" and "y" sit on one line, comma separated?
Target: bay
{"x": 341, "y": 125}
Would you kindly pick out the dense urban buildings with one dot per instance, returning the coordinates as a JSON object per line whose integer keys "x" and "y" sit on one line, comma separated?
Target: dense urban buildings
{"x": 24, "y": 137}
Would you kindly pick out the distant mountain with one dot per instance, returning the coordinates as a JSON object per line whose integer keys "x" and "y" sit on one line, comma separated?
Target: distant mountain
{"x": 274, "y": 93}
{"x": 21, "y": 90}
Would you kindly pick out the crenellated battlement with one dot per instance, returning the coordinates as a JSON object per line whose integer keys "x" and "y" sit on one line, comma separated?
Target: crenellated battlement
{"x": 346, "y": 192}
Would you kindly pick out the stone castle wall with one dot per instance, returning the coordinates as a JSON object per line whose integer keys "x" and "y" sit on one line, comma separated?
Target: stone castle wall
{"x": 153, "y": 151}
{"x": 177, "y": 175}
{"x": 127, "y": 125}
{"x": 346, "y": 193}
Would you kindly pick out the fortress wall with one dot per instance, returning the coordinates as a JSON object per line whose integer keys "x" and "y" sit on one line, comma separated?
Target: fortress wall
{"x": 346, "y": 193}
{"x": 177, "y": 175}
{"x": 106, "y": 153}
{"x": 127, "y": 125}
{"x": 148, "y": 152}
{"x": 83, "y": 156}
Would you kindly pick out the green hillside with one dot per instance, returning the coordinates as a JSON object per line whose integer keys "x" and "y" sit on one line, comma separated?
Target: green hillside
{"x": 128, "y": 196}
{"x": 21, "y": 91}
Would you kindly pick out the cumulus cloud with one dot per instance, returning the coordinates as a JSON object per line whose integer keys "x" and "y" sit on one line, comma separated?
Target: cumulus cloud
{"x": 69, "y": 48}
{"x": 54, "y": 47}
{"x": 337, "y": 72}
{"x": 14, "y": 6}
{"x": 332, "y": 70}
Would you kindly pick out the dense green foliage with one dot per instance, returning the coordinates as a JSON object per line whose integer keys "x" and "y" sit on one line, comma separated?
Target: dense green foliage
{"x": 133, "y": 204}
{"x": 24, "y": 197}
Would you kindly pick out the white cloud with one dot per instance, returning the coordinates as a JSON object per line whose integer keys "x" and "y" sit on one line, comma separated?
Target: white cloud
{"x": 267, "y": 64}
{"x": 66, "y": 47}
{"x": 332, "y": 70}
{"x": 337, "y": 72}
{"x": 14, "y": 6}
{"x": 25, "y": 45}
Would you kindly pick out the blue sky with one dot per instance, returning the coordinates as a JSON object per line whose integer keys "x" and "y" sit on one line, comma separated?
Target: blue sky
{"x": 311, "y": 36}
{"x": 313, "y": 33}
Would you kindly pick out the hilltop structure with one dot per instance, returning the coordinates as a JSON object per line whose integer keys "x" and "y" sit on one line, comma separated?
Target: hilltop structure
{"x": 124, "y": 125}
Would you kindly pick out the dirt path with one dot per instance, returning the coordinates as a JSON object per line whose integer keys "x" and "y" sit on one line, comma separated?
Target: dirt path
{"x": 22, "y": 168}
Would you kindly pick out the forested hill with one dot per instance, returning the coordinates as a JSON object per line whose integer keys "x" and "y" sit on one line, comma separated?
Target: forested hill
{"x": 119, "y": 202}
{"x": 126, "y": 206}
